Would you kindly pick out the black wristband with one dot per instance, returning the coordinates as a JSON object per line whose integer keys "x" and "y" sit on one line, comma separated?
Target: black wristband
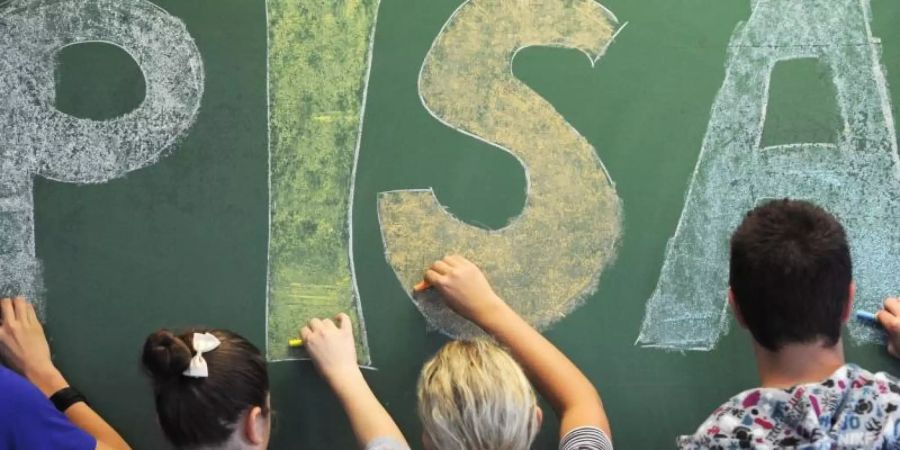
{"x": 64, "y": 398}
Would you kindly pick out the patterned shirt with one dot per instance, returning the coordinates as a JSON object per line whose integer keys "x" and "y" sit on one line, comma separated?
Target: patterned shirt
{"x": 852, "y": 409}
{"x": 581, "y": 438}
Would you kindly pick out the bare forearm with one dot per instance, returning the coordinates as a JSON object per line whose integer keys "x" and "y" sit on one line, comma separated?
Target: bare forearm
{"x": 85, "y": 418}
{"x": 571, "y": 394}
{"x": 368, "y": 418}
{"x": 82, "y": 416}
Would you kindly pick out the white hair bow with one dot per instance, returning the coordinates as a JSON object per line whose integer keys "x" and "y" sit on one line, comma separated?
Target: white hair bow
{"x": 203, "y": 342}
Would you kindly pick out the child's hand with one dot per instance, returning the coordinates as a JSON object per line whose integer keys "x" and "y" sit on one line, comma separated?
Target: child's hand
{"x": 331, "y": 346}
{"x": 464, "y": 287}
{"x": 24, "y": 347}
{"x": 890, "y": 320}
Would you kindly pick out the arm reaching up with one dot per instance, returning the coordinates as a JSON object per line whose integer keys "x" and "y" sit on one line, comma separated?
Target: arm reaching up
{"x": 333, "y": 351}
{"x": 25, "y": 349}
{"x": 467, "y": 291}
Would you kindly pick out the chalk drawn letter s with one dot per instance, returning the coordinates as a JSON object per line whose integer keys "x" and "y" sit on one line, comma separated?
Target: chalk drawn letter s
{"x": 855, "y": 177}
{"x": 36, "y": 139}
{"x": 547, "y": 260}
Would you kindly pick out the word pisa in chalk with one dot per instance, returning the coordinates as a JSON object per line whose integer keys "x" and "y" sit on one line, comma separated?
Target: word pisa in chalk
{"x": 548, "y": 259}
{"x": 857, "y": 177}
{"x": 315, "y": 118}
{"x": 36, "y": 139}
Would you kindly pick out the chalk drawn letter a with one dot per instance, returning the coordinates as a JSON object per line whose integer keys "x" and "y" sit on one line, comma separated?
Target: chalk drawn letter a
{"x": 551, "y": 256}
{"x": 37, "y": 139}
{"x": 854, "y": 177}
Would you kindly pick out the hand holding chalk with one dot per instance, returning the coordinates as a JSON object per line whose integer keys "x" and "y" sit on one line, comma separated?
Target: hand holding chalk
{"x": 889, "y": 317}
{"x": 331, "y": 347}
{"x": 464, "y": 288}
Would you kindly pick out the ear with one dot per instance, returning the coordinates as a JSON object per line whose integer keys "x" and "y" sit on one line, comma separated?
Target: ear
{"x": 539, "y": 414}
{"x": 255, "y": 425}
{"x": 736, "y": 309}
{"x": 848, "y": 307}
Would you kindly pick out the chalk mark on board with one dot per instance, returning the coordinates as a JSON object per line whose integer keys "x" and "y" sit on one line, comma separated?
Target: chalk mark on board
{"x": 319, "y": 58}
{"x": 549, "y": 258}
{"x": 36, "y": 139}
{"x": 857, "y": 178}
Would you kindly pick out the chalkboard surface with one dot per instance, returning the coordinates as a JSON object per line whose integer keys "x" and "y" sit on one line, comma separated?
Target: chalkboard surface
{"x": 184, "y": 241}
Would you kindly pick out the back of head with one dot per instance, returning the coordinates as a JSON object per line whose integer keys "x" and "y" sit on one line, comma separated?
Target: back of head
{"x": 474, "y": 396}
{"x": 791, "y": 273}
{"x": 204, "y": 412}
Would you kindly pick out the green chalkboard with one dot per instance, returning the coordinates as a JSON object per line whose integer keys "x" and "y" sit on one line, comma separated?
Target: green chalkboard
{"x": 185, "y": 240}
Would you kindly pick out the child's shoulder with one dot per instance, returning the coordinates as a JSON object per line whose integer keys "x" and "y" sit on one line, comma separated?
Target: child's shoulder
{"x": 860, "y": 382}
{"x": 15, "y": 390}
{"x": 853, "y": 406}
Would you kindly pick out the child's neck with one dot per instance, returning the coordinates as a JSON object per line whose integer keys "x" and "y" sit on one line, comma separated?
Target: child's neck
{"x": 796, "y": 364}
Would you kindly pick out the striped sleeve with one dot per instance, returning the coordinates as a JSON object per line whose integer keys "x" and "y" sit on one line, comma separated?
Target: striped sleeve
{"x": 585, "y": 438}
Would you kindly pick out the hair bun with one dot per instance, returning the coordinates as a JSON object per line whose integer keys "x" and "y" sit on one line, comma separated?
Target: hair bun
{"x": 165, "y": 355}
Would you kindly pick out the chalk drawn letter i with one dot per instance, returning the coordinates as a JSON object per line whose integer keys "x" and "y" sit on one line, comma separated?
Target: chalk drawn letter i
{"x": 855, "y": 177}
{"x": 36, "y": 139}
{"x": 319, "y": 55}
{"x": 549, "y": 258}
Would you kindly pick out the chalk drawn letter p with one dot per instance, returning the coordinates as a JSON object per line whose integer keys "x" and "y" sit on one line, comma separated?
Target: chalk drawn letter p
{"x": 36, "y": 139}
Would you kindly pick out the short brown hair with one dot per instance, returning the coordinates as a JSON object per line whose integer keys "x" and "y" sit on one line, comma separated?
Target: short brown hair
{"x": 791, "y": 273}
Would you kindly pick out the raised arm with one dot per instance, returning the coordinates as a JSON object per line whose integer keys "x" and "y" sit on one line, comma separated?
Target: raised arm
{"x": 333, "y": 351}
{"x": 25, "y": 349}
{"x": 467, "y": 291}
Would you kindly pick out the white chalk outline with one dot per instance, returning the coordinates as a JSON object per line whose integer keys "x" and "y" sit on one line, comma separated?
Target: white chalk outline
{"x": 62, "y": 162}
{"x": 590, "y": 287}
{"x": 878, "y": 73}
{"x": 364, "y": 337}
{"x": 592, "y": 59}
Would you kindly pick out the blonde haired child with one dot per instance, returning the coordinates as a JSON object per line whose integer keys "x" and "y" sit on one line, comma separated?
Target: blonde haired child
{"x": 472, "y": 395}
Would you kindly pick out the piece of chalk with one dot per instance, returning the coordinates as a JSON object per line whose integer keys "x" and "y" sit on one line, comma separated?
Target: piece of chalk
{"x": 421, "y": 286}
{"x": 294, "y": 343}
{"x": 866, "y": 317}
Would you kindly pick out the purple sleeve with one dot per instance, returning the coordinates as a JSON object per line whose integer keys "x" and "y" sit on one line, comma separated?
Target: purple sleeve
{"x": 28, "y": 421}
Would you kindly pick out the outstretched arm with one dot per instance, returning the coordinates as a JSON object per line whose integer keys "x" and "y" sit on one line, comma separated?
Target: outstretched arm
{"x": 25, "y": 349}
{"x": 467, "y": 291}
{"x": 333, "y": 351}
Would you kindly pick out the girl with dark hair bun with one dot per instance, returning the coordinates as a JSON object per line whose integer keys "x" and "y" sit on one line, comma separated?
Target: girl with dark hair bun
{"x": 211, "y": 388}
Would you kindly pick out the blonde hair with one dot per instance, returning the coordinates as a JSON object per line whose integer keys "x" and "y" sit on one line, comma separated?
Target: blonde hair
{"x": 474, "y": 396}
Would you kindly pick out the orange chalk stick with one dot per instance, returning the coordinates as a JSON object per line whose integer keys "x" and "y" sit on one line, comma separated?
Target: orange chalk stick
{"x": 421, "y": 286}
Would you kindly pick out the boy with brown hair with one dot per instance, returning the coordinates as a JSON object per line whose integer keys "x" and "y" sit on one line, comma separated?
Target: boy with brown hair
{"x": 791, "y": 286}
